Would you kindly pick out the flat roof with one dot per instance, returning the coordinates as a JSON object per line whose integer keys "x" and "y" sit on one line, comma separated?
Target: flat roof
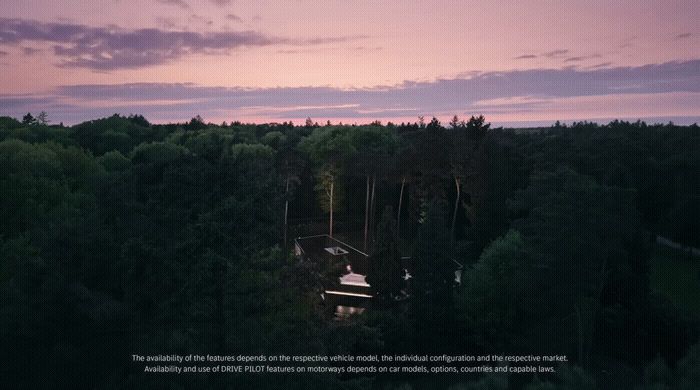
{"x": 321, "y": 248}
{"x": 353, "y": 279}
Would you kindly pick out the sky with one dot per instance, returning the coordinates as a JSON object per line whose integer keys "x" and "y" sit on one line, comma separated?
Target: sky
{"x": 519, "y": 62}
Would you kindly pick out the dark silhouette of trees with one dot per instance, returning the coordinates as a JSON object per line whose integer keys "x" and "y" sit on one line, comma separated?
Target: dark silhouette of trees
{"x": 121, "y": 235}
{"x": 28, "y": 119}
{"x": 432, "y": 282}
{"x": 196, "y": 123}
{"x": 42, "y": 118}
{"x": 385, "y": 270}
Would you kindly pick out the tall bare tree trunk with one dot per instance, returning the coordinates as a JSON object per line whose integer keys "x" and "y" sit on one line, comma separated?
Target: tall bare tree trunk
{"x": 286, "y": 210}
{"x": 330, "y": 227}
{"x": 366, "y": 214}
{"x": 454, "y": 214}
{"x": 371, "y": 206}
{"x": 398, "y": 214}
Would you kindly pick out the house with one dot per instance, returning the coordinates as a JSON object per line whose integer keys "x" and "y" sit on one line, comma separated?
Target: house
{"x": 345, "y": 289}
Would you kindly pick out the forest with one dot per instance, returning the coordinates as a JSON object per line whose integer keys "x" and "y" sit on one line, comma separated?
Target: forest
{"x": 119, "y": 236}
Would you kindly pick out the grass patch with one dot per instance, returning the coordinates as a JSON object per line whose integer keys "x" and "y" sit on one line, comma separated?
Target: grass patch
{"x": 676, "y": 275}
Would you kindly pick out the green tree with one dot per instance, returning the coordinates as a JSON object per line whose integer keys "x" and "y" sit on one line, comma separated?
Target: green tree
{"x": 455, "y": 123}
{"x": 385, "y": 270}
{"x": 42, "y": 118}
{"x": 114, "y": 161}
{"x": 477, "y": 127}
{"x": 329, "y": 150}
{"x": 7, "y": 122}
{"x": 489, "y": 303}
{"x": 331, "y": 195}
{"x": 115, "y": 133}
{"x": 432, "y": 282}
{"x": 465, "y": 151}
{"x": 196, "y": 123}
{"x": 28, "y": 119}
{"x": 585, "y": 241}
{"x": 373, "y": 148}
{"x": 158, "y": 153}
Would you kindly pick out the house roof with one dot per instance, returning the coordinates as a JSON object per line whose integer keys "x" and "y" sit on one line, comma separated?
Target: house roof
{"x": 353, "y": 279}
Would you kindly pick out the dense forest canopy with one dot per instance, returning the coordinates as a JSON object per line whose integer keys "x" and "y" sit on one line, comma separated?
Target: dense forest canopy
{"x": 118, "y": 236}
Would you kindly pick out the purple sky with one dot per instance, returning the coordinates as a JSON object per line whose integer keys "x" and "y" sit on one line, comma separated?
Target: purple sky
{"x": 352, "y": 61}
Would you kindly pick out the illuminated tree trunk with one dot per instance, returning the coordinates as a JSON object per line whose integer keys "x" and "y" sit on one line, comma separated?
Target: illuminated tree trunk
{"x": 454, "y": 214}
{"x": 286, "y": 210}
{"x": 366, "y": 214}
{"x": 371, "y": 206}
{"x": 330, "y": 227}
{"x": 398, "y": 216}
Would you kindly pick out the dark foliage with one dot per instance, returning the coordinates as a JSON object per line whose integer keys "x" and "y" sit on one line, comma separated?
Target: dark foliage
{"x": 118, "y": 236}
